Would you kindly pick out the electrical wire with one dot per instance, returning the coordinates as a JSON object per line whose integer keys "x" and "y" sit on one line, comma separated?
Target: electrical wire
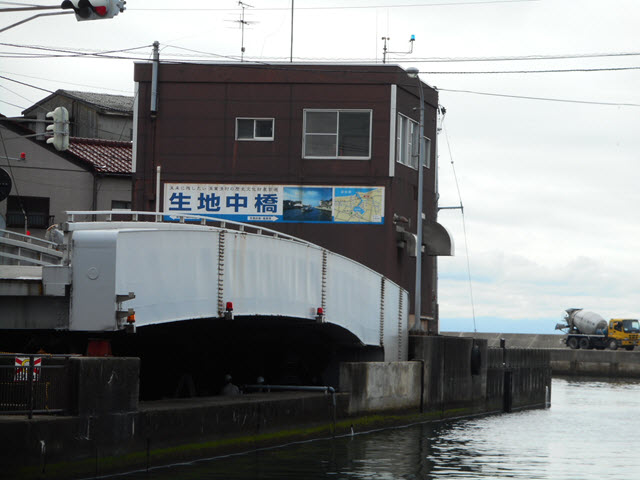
{"x": 556, "y": 70}
{"x": 343, "y": 7}
{"x": 101, "y": 87}
{"x": 464, "y": 228}
{"x": 546, "y": 99}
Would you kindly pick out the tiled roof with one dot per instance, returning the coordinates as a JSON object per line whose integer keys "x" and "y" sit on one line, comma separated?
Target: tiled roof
{"x": 121, "y": 103}
{"x": 102, "y": 101}
{"x": 106, "y": 156}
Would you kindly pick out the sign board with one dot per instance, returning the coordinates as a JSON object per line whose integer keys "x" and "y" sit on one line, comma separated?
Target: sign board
{"x": 277, "y": 203}
{"x": 5, "y": 184}
{"x": 22, "y": 369}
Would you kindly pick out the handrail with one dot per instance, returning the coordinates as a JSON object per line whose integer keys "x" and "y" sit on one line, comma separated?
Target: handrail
{"x": 27, "y": 239}
{"x": 158, "y": 217}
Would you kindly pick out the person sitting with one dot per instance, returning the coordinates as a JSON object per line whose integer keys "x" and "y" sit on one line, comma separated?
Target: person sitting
{"x": 229, "y": 389}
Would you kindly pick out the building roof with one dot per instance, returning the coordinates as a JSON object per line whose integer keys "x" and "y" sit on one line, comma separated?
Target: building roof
{"x": 108, "y": 103}
{"x": 104, "y": 156}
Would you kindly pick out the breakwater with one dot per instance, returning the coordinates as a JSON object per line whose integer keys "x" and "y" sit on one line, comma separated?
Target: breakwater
{"x": 565, "y": 361}
{"x": 108, "y": 430}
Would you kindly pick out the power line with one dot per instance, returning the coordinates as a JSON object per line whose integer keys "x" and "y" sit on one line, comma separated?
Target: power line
{"x": 559, "y": 70}
{"x": 547, "y": 99}
{"x": 66, "y": 53}
{"x": 102, "y": 87}
{"x": 343, "y": 7}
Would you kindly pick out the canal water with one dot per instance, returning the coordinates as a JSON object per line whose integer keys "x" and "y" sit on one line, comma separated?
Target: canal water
{"x": 591, "y": 431}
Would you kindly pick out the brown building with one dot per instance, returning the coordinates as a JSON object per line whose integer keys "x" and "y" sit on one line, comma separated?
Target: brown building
{"x": 322, "y": 152}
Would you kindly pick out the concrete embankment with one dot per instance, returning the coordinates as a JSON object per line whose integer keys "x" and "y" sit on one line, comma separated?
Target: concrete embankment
{"x": 564, "y": 361}
{"x": 107, "y": 430}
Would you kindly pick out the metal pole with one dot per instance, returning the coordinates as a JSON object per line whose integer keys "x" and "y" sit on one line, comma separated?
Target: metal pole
{"x": 33, "y": 17}
{"x": 30, "y": 387}
{"x": 158, "y": 169}
{"x": 417, "y": 326}
{"x": 291, "y": 54}
{"x": 154, "y": 78}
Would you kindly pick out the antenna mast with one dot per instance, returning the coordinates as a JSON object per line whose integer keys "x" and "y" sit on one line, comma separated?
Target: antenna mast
{"x": 242, "y": 23}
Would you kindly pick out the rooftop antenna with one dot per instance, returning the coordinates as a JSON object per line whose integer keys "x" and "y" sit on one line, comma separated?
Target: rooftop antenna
{"x": 385, "y": 50}
{"x": 242, "y": 23}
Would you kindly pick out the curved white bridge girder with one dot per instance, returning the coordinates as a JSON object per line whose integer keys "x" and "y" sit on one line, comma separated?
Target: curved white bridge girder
{"x": 185, "y": 271}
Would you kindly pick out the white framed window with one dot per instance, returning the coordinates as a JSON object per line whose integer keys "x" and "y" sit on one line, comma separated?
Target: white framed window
{"x": 407, "y": 141}
{"x": 255, "y": 129}
{"x": 343, "y": 134}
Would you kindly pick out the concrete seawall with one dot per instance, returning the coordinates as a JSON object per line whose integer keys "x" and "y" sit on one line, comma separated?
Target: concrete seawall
{"x": 564, "y": 361}
{"x": 514, "y": 340}
{"x": 109, "y": 431}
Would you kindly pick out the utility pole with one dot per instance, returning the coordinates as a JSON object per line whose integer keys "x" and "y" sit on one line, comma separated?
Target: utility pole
{"x": 291, "y": 53}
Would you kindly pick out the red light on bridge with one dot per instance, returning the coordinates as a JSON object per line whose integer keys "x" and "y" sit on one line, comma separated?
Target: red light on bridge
{"x": 320, "y": 311}
{"x": 131, "y": 318}
{"x": 229, "y": 306}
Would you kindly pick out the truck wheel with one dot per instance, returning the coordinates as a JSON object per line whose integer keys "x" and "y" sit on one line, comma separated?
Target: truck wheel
{"x": 584, "y": 343}
{"x": 572, "y": 343}
{"x": 629, "y": 347}
{"x": 612, "y": 345}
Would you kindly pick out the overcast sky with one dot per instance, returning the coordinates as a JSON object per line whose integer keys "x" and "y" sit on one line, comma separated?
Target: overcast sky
{"x": 549, "y": 183}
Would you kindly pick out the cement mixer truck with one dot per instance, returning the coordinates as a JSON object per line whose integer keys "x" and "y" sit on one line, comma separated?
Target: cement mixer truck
{"x": 589, "y": 330}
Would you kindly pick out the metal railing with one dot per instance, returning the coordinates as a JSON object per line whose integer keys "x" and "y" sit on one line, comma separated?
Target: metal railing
{"x": 34, "y": 384}
{"x": 19, "y": 249}
{"x": 116, "y": 216}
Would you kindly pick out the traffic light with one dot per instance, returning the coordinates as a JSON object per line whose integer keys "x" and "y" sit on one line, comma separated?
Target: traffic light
{"x": 94, "y": 9}
{"x": 60, "y": 128}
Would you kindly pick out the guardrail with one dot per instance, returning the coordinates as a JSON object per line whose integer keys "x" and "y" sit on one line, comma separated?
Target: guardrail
{"x": 18, "y": 249}
{"x": 127, "y": 216}
{"x": 34, "y": 384}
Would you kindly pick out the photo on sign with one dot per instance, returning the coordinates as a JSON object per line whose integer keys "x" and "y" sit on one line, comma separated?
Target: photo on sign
{"x": 307, "y": 204}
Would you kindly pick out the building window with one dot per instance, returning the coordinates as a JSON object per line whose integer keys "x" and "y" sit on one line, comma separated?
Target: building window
{"x": 407, "y": 141}
{"x": 257, "y": 129}
{"x": 36, "y": 208}
{"x": 337, "y": 134}
{"x": 120, "y": 205}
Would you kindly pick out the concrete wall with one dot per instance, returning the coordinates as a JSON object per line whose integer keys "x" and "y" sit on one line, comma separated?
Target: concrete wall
{"x": 564, "y": 361}
{"x": 375, "y": 386}
{"x": 104, "y": 385}
{"x": 449, "y": 384}
{"x": 501, "y": 380}
{"x": 518, "y": 378}
{"x": 112, "y": 188}
{"x": 110, "y": 432}
{"x": 620, "y": 363}
{"x": 515, "y": 340}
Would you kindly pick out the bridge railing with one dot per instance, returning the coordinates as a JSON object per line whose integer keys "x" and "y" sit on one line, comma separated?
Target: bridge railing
{"x": 34, "y": 384}
{"x": 117, "y": 217}
{"x": 18, "y": 249}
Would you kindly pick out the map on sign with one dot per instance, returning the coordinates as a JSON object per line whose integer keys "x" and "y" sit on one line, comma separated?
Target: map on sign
{"x": 363, "y": 205}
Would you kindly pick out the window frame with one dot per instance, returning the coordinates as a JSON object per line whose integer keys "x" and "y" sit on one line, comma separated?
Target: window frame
{"x": 256, "y": 138}
{"x": 403, "y": 145}
{"x": 338, "y": 111}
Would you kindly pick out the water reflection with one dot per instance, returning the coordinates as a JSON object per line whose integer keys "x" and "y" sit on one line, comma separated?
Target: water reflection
{"x": 591, "y": 432}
